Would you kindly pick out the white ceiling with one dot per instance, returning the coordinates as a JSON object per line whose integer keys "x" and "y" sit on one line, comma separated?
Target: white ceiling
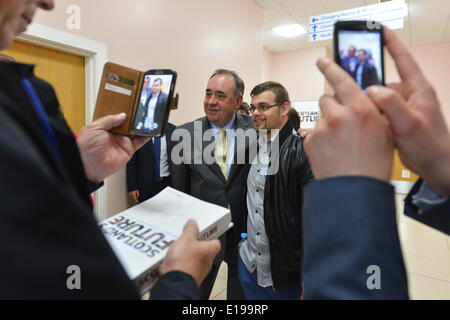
{"x": 428, "y": 21}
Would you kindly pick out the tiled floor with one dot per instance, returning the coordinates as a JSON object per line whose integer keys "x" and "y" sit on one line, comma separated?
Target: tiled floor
{"x": 427, "y": 258}
{"x": 219, "y": 291}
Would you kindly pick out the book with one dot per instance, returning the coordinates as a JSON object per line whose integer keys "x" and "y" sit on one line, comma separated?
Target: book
{"x": 141, "y": 235}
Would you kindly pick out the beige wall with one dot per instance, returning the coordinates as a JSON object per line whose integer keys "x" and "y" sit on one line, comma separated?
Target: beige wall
{"x": 297, "y": 71}
{"x": 268, "y": 57}
{"x": 193, "y": 37}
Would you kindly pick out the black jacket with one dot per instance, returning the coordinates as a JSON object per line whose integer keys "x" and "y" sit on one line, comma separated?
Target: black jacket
{"x": 46, "y": 220}
{"x": 369, "y": 75}
{"x": 283, "y": 199}
{"x": 141, "y": 168}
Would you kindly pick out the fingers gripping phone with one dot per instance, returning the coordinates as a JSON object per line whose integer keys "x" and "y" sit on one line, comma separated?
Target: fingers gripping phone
{"x": 153, "y": 107}
{"x": 358, "y": 49}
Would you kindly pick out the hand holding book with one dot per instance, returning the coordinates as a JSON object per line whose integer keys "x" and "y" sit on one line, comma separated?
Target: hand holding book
{"x": 142, "y": 236}
{"x": 190, "y": 255}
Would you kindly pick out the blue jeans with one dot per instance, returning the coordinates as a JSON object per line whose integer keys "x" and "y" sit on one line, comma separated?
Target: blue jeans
{"x": 253, "y": 291}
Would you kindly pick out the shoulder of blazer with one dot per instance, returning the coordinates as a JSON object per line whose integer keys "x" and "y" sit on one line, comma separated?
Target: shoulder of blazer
{"x": 170, "y": 128}
{"x": 190, "y": 125}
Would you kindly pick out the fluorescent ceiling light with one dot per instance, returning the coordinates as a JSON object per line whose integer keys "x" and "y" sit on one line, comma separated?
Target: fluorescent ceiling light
{"x": 290, "y": 30}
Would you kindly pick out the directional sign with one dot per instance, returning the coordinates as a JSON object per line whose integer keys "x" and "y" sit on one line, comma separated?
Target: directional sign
{"x": 389, "y": 13}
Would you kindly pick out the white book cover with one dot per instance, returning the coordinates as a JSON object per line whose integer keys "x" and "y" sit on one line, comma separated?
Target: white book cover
{"x": 141, "y": 235}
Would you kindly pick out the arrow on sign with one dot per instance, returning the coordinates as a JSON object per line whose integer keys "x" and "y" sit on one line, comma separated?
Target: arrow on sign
{"x": 314, "y": 28}
{"x": 314, "y": 20}
{"x": 314, "y": 36}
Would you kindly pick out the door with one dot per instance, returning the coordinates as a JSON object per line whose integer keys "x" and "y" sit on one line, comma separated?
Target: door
{"x": 64, "y": 71}
{"x": 400, "y": 172}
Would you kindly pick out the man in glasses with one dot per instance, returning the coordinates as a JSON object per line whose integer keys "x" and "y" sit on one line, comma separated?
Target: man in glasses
{"x": 270, "y": 256}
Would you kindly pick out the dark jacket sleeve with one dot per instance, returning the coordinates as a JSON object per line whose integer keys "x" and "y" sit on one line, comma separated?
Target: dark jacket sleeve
{"x": 175, "y": 285}
{"x": 92, "y": 186}
{"x": 349, "y": 226}
{"x": 131, "y": 173}
{"x": 305, "y": 174}
{"x": 437, "y": 218}
{"x": 180, "y": 171}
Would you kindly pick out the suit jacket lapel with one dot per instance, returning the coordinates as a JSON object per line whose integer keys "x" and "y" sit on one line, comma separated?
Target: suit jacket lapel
{"x": 235, "y": 167}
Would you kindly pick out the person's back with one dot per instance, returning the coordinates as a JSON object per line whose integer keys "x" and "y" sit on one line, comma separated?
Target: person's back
{"x": 39, "y": 246}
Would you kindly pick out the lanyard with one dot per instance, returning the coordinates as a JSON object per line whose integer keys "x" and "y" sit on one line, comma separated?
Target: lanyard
{"x": 43, "y": 118}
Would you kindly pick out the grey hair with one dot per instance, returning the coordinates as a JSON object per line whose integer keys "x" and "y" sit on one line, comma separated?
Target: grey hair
{"x": 238, "y": 82}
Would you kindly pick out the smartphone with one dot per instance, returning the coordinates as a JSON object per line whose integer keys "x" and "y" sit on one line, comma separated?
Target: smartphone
{"x": 152, "y": 114}
{"x": 358, "y": 49}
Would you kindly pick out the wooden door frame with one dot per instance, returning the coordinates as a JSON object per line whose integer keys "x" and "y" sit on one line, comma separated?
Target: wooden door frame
{"x": 96, "y": 55}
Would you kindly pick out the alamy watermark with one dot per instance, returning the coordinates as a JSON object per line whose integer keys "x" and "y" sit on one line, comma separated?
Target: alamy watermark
{"x": 374, "y": 280}
{"x": 373, "y": 25}
{"x": 251, "y": 147}
{"x": 74, "y": 279}
{"x": 73, "y": 22}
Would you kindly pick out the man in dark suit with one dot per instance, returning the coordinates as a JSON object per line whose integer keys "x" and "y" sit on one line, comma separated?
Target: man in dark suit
{"x": 365, "y": 73}
{"x": 352, "y": 248}
{"x": 148, "y": 171}
{"x": 49, "y": 224}
{"x": 218, "y": 181}
{"x": 150, "y": 113}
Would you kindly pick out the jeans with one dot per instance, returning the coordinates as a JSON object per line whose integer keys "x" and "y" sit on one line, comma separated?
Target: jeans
{"x": 253, "y": 291}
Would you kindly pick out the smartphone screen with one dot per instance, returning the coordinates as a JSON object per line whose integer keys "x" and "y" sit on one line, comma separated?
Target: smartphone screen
{"x": 153, "y": 104}
{"x": 360, "y": 54}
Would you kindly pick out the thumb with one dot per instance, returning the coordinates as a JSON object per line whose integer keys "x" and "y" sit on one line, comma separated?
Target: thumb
{"x": 190, "y": 230}
{"x": 392, "y": 104}
{"x": 213, "y": 247}
{"x": 109, "y": 122}
{"x": 139, "y": 142}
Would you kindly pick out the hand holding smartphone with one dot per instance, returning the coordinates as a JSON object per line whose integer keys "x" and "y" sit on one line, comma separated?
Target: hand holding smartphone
{"x": 358, "y": 49}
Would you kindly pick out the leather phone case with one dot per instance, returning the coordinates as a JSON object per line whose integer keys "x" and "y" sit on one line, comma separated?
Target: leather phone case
{"x": 119, "y": 92}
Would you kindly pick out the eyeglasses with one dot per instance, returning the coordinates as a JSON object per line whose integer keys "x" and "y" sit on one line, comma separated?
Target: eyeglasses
{"x": 262, "y": 108}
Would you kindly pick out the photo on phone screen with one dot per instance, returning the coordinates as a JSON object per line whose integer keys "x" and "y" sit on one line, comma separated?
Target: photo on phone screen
{"x": 153, "y": 104}
{"x": 360, "y": 53}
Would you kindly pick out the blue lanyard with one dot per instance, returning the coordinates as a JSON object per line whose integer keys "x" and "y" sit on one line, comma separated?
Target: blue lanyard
{"x": 43, "y": 118}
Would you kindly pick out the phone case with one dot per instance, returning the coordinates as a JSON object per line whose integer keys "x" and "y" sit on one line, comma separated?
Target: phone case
{"x": 119, "y": 92}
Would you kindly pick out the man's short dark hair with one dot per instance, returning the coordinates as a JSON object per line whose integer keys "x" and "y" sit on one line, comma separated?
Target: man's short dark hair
{"x": 238, "y": 82}
{"x": 245, "y": 107}
{"x": 280, "y": 92}
{"x": 158, "y": 79}
{"x": 294, "y": 118}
